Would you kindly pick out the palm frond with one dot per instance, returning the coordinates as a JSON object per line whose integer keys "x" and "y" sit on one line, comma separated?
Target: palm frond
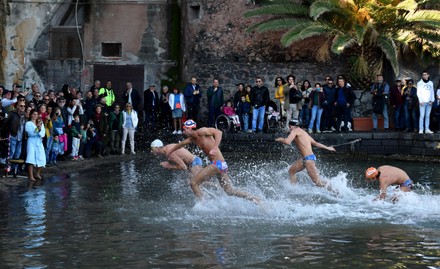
{"x": 408, "y": 5}
{"x": 281, "y": 9}
{"x": 360, "y": 67}
{"x": 277, "y": 24}
{"x": 341, "y": 42}
{"x": 405, "y": 36}
{"x": 319, "y": 7}
{"x": 389, "y": 49}
{"x": 300, "y": 33}
{"x": 428, "y": 16}
{"x": 323, "y": 52}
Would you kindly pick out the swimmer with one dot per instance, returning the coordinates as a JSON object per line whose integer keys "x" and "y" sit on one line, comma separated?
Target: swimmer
{"x": 208, "y": 140}
{"x": 180, "y": 159}
{"x": 389, "y": 175}
{"x": 304, "y": 143}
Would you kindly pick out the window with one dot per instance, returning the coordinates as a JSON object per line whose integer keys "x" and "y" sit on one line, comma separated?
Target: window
{"x": 194, "y": 12}
{"x": 111, "y": 49}
{"x": 65, "y": 43}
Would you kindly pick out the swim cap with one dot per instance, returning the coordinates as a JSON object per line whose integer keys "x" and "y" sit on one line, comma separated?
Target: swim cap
{"x": 294, "y": 122}
{"x": 371, "y": 173}
{"x": 189, "y": 124}
{"x": 156, "y": 144}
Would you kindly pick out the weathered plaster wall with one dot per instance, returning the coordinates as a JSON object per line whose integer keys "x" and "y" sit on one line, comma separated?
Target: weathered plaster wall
{"x": 141, "y": 27}
{"x": 24, "y": 23}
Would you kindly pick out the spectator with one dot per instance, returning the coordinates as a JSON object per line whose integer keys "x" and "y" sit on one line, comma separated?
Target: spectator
{"x": 115, "y": 125}
{"x": 36, "y": 156}
{"x": 193, "y": 95}
{"x": 396, "y": 102}
{"x": 259, "y": 98}
{"x": 48, "y": 126}
{"x": 8, "y": 99}
{"x": 177, "y": 104}
{"x": 380, "y": 91}
{"x": 93, "y": 143}
{"x": 215, "y": 101}
{"x": 59, "y": 127}
{"x": 413, "y": 105}
{"x": 100, "y": 128}
{"x": 244, "y": 108}
{"x": 78, "y": 142}
{"x": 165, "y": 118}
{"x": 317, "y": 97}
{"x": 328, "y": 121}
{"x": 344, "y": 98}
{"x": 238, "y": 94}
{"x": 306, "y": 89}
{"x": 292, "y": 99}
{"x": 229, "y": 111}
{"x": 38, "y": 99}
{"x": 425, "y": 94}
{"x": 109, "y": 93}
{"x": 279, "y": 94}
{"x": 129, "y": 125}
{"x": 96, "y": 86}
{"x": 131, "y": 96}
{"x": 436, "y": 107}
{"x": 74, "y": 108}
{"x": 89, "y": 106}
{"x": 54, "y": 149}
{"x": 16, "y": 123}
{"x": 151, "y": 105}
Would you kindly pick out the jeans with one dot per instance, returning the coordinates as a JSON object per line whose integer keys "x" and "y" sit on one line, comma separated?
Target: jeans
{"x": 115, "y": 140}
{"x": 245, "y": 121}
{"x": 14, "y": 148}
{"x": 258, "y": 114}
{"x": 397, "y": 121}
{"x": 385, "y": 118}
{"x": 316, "y": 115}
{"x": 213, "y": 114}
{"x": 150, "y": 118}
{"x": 425, "y": 113}
{"x": 305, "y": 115}
{"x": 327, "y": 117}
{"x": 343, "y": 112}
{"x": 407, "y": 115}
{"x": 130, "y": 133}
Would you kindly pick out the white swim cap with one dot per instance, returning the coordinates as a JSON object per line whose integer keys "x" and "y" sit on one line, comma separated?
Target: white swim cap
{"x": 156, "y": 144}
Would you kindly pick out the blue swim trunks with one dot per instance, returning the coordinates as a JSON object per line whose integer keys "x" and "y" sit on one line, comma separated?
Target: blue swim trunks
{"x": 408, "y": 183}
{"x": 310, "y": 157}
{"x": 221, "y": 165}
{"x": 197, "y": 161}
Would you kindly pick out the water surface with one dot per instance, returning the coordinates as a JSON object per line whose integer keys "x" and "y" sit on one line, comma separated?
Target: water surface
{"x": 135, "y": 214}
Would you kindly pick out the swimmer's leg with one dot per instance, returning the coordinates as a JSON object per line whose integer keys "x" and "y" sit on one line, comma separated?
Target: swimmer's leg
{"x": 201, "y": 177}
{"x": 225, "y": 182}
{"x": 296, "y": 167}
{"x": 313, "y": 173}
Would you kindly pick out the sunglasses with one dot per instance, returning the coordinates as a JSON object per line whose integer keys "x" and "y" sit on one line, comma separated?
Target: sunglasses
{"x": 258, "y": 81}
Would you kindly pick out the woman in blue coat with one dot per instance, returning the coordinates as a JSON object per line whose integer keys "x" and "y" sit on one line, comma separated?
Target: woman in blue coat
{"x": 36, "y": 155}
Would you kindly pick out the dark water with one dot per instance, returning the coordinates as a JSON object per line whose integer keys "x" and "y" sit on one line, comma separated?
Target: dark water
{"x": 137, "y": 215}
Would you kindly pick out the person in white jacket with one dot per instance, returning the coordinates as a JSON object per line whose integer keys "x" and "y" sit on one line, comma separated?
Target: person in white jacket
{"x": 130, "y": 122}
{"x": 177, "y": 104}
{"x": 425, "y": 94}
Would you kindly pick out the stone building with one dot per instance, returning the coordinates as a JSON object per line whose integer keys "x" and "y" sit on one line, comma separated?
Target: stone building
{"x": 60, "y": 42}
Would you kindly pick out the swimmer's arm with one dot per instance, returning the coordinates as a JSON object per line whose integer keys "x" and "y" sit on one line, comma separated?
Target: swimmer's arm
{"x": 288, "y": 140}
{"x": 383, "y": 192}
{"x": 322, "y": 146}
{"x": 217, "y": 134}
{"x": 174, "y": 162}
{"x": 178, "y": 146}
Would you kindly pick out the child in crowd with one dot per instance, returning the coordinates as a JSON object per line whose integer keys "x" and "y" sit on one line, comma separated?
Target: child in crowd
{"x": 243, "y": 111}
{"x": 55, "y": 149}
{"x": 77, "y": 146}
{"x": 177, "y": 105}
{"x": 229, "y": 111}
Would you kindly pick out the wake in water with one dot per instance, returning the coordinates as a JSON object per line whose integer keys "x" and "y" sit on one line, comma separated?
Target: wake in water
{"x": 304, "y": 203}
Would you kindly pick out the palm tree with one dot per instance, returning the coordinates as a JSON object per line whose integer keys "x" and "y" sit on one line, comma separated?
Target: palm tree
{"x": 370, "y": 30}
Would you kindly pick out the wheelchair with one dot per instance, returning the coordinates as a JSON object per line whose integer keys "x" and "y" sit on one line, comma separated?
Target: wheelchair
{"x": 225, "y": 124}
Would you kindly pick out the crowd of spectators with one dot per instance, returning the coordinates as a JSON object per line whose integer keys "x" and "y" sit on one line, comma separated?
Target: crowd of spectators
{"x": 72, "y": 126}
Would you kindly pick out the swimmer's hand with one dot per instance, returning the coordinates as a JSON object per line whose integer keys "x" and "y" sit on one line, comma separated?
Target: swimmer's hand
{"x": 213, "y": 152}
{"x": 331, "y": 149}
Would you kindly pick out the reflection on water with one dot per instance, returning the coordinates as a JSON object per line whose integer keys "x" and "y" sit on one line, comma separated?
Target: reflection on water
{"x": 137, "y": 215}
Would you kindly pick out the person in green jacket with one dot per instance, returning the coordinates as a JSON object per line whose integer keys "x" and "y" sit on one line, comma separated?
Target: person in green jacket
{"x": 108, "y": 93}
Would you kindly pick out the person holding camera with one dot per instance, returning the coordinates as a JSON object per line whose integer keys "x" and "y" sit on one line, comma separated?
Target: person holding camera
{"x": 36, "y": 156}
{"x": 380, "y": 91}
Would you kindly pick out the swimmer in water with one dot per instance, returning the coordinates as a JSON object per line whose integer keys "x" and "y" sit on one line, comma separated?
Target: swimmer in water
{"x": 304, "y": 143}
{"x": 389, "y": 175}
{"x": 180, "y": 159}
{"x": 208, "y": 140}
